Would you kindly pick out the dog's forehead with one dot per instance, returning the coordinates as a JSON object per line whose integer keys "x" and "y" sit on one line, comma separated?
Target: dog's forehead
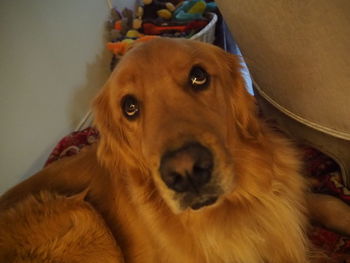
{"x": 164, "y": 56}
{"x": 165, "y": 48}
{"x": 167, "y": 53}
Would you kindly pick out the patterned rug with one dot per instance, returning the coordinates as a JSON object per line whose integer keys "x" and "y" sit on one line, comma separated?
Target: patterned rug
{"x": 317, "y": 165}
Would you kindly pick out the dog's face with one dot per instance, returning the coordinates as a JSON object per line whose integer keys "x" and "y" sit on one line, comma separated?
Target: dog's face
{"x": 171, "y": 107}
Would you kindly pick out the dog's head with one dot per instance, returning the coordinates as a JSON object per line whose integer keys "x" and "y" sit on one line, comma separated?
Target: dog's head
{"x": 177, "y": 110}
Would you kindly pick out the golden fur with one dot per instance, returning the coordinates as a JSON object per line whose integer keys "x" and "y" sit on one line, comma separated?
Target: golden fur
{"x": 260, "y": 213}
{"x": 52, "y": 228}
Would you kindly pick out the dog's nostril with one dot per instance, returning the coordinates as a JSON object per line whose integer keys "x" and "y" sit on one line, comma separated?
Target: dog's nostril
{"x": 177, "y": 182}
{"x": 201, "y": 174}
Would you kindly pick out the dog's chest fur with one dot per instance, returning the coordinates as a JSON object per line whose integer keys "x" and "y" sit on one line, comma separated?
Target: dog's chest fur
{"x": 231, "y": 238}
{"x": 223, "y": 244}
{"x": 215, "y": 245}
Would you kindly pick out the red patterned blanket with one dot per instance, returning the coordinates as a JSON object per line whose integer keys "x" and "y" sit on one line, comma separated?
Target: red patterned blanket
{"x": 317, "y": 165}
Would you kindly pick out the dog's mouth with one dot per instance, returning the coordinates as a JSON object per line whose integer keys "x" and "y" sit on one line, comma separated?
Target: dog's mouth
{"x": 207, "y": 202}
{"x": 197, "y": 201}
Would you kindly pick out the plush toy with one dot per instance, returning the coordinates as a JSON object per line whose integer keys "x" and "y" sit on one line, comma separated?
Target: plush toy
{"x": 153, "y": 9}
{"x": 193, "y": 9}
{"x": 121, "y": 47}
{"x": 124, "y": 24}
{"x": 132, "y": 33}
{"x": 137, "y": 22}
{"x": 114, "y": 16}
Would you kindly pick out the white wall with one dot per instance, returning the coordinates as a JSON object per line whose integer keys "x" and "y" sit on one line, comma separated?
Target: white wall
{"x": 52, "y": 62}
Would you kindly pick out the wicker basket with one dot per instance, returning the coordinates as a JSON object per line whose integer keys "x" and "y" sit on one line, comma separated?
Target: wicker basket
{"x": 207, "y": 34}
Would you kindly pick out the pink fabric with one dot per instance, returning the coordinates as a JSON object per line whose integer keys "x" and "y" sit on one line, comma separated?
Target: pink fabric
{"x": 72, "y": 144}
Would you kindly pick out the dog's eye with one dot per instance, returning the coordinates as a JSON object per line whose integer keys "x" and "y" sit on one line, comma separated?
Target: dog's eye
{"x": 130, "y": 107}
{"x": 199, "y": 79}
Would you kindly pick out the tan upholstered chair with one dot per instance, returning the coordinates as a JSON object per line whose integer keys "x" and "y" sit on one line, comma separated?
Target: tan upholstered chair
{"x": 298, "y": 52}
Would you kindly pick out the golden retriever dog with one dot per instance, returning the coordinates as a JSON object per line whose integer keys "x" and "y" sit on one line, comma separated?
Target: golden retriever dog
{"x": 184, "y": 171}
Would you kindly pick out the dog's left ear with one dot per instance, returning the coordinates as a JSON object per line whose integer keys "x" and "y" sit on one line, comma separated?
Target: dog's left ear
{"x": 243, "y": 104}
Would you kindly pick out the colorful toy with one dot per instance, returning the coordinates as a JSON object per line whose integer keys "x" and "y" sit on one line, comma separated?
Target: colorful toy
{"x": 121, "y": 47}
{"x": 124, "y": 24}
{"x": 153, "y": 9}
{"x": 154, "y": 18}
{"x": 114, "y": 16}
{"x": 132, "y": 33}
{"x": 192, "y": 10}
{"x": 137, "y": 22}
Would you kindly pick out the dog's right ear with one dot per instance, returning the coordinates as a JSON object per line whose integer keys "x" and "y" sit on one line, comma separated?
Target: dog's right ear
{"x": 112, "y": 136}
{"x": 103, "y": 118}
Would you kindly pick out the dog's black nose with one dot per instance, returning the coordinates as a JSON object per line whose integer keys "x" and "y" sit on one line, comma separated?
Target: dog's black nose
{"x": 188, "y": 168}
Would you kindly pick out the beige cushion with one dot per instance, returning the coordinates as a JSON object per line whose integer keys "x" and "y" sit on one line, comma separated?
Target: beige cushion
{"x": 299, "y": 55}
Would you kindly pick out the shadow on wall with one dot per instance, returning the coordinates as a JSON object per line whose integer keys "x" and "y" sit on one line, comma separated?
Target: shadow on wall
{"x": 96, "y": 75}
